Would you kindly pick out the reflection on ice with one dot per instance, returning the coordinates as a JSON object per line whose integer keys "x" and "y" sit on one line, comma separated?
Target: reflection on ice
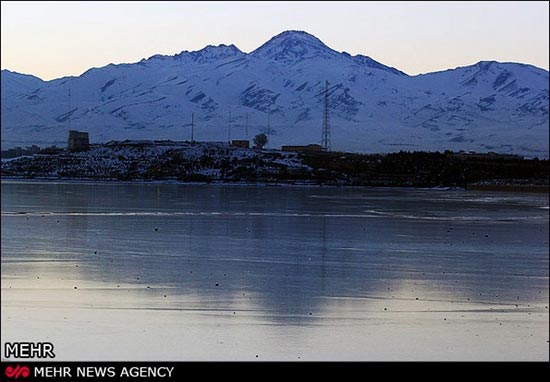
{"x": 210, "y": 272}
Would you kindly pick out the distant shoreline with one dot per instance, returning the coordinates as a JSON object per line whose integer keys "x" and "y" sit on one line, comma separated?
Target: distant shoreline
{"x": 218, "y": 163}
{"x": 510, "y": 188}
{"x": 514, "y": 188}
{"x": 212, "y": 183}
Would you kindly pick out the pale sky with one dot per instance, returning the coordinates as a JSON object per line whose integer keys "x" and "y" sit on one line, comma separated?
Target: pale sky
{"x": 56, "y": 39}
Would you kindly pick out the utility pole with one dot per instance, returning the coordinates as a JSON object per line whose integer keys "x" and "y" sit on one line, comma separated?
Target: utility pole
{"x": 69, "y": 112}
{"x": 246, "y": 125}
{"x": 268, "y": 125}
{"x": 229, "y": 126}
{"x": 192, "y": 127}
{"x": 69, "y": 121}
{"x": 325, "y": 139}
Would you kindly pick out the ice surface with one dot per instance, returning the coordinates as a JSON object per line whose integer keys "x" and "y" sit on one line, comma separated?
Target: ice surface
{"x": 212, "y": 272}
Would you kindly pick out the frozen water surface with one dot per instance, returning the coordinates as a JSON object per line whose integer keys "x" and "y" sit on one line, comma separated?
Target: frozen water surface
{"x": 118, "y": 271}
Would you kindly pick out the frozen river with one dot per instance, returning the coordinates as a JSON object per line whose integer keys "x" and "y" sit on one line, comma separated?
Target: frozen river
{"x": 115, "y": 271}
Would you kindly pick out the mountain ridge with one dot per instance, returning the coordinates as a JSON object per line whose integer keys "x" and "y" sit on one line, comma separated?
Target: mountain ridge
{"x": 488, "y": 106}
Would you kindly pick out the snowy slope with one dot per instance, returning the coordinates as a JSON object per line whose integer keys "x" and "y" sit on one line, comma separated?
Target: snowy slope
{"x": 488, "y": 106}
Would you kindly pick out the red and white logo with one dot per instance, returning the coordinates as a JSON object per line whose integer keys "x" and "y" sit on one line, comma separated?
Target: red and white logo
{"x": 17, "y": 371}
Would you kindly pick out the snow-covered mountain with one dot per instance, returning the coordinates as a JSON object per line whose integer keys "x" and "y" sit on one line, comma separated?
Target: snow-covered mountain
{"x": 489, "y": 106}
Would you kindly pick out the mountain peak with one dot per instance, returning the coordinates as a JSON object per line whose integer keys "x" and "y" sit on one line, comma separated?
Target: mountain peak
{"x": 292, "y": 46}
{"x": 209, "y": 53}
{"x": 212, "y": 53}
{"x": 296, "y": 34}
{"x": 221, "y": 48}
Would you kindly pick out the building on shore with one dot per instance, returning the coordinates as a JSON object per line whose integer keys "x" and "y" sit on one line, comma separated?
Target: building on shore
{"x": 78, "y": 141}
{"x": 19, "y": 151}
{"x": 242, "y": 143}
{"x": 308, "y": 148}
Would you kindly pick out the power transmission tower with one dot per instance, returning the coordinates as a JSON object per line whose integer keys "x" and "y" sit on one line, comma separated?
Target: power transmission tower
{"x": 325, "y": 139}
